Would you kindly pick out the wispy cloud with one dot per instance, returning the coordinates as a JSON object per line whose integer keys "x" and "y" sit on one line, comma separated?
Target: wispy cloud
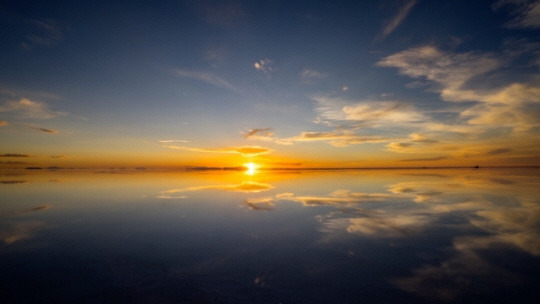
{"x": 167, "y": 141}
{"x": 43, "y": 33}
{"x": 310, "y": 76}
{"x": 450, "y": 70}
{"x": 246, "y": 151}
{"x": 30, "y": 109}
{"x": 402, "y": 13}
{"x": 265, "y": 134}
{"x": 12, "y": 232}
{"x": 207, "y": 77}
{"x": 526, "y": 13}
{"x": 336, "y": 138}
{"x": 366, "y": 112}
{"x": 454, "y": 77}
{"x": 498, "y": 151}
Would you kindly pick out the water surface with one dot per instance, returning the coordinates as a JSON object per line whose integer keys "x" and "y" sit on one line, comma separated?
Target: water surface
{"x": 366, "y": 236}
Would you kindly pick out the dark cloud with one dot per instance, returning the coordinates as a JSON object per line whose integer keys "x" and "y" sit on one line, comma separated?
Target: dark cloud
{"x": 498, "y": 151}
{"x": 46, "y": 130}
{"x": 14, "y": 155}
{"x": 265, "y": 132}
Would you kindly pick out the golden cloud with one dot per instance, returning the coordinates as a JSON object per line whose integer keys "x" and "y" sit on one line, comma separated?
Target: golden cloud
{"x": 246, "y": 151}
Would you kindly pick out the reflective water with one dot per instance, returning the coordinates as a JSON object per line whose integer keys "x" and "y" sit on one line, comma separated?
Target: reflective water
{"x": 371, "y": 236}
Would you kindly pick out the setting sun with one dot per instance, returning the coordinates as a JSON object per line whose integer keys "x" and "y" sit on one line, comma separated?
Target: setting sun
{"x": 251, "y": 168}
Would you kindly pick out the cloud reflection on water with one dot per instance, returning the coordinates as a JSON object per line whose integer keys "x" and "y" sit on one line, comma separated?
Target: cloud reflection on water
{"x": 441, "y": 233}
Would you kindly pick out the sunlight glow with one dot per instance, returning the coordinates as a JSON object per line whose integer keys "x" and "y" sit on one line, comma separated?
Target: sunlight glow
{"x": 251, "y": 168}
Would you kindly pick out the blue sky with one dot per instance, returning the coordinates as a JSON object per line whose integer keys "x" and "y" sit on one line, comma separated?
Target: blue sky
{"x": 352, "y": 83}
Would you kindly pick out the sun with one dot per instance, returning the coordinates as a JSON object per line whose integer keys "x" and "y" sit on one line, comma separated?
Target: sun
{"x": 251, "y": 168}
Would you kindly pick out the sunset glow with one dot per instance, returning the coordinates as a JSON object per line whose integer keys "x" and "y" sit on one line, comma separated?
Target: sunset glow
{"x": 289, "y": 84}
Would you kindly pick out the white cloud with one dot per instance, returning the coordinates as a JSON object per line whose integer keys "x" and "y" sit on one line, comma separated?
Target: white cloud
{"x": 450, "y": 70}
{"x": 264, "y": 65}
{"x": 453, "y": 73}
{"x": 367, "y": 111}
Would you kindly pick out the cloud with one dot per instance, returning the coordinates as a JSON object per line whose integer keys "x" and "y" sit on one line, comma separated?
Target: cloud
{"x": 260, "y": 204}
{"x": 498, "y": 151}
{"x": 167, "y": 141}
{"x": 400, "y": 147}
{"x": 246, "y": 151}
{"x": 505, "y": 226}
{"x": 338, "y": 197}
{"x": 456, "y": 75}
{"x": 14, "y": 155}
{"x": 412, "y": 145}
{"x": 206, "y": 77}
{"x": 11, "y": 232}
{"x": 266, "y": 134}
{"x": 310, "y": 76}
{"x": 30, "y": 109}
{"x": 425, "y": 159}
{"x": 381, "y": 111}
{"x": 45, "y": 130}
{"x": 397, "y": 225}
{"x": 402, "y": 13}
{"x": 367, "y": 111}
{"x": 12, "y": 182}
{"x": 526, "y": 12}
{"x": 264, "y": 65}
{"x": 39, "y": 208}
{"x": 335, "y": 138}
{"x": 44, "y": 33}
{"x": 415, "y": 137}
{"x": 450, "y": 70}
{"x": 247, "y": 187}
{"x": 3, "y": 123}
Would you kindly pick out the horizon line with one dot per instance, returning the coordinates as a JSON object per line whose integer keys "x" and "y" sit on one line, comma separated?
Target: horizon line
{"x": 243, "y": 168}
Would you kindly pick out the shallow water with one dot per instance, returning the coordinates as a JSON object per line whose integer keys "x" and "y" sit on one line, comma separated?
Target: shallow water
{"x": 366, "y": 236}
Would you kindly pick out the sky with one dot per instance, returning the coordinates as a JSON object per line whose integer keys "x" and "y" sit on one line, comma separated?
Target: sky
{"x": 277, "y": 83}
